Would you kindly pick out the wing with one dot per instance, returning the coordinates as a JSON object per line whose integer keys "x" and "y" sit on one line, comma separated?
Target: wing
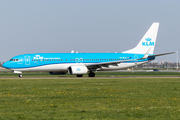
{"x": 105, "y": 64}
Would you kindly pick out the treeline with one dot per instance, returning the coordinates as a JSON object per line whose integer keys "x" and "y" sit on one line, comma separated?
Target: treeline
{"x": 159, "y": 65}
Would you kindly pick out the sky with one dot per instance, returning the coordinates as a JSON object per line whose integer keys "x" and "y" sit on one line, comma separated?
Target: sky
{"x": 90, "y": 26}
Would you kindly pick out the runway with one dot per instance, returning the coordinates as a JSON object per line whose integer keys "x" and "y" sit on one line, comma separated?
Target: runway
{"x": 80, "y": 77}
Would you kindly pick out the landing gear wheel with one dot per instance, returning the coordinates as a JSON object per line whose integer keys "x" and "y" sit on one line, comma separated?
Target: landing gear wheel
{"x": 79, "y": 75}
{"x": 20, "y": 75}
{"x": 91, "y": 74}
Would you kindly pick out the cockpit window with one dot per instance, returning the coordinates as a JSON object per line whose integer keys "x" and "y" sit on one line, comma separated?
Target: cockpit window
{"x": 14, "y": 59}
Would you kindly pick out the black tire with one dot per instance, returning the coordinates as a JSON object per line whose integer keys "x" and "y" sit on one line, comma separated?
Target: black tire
{"x": 91, "y": 74}
{"x": 79, "y": 75}
{"x": 20, "y": 76}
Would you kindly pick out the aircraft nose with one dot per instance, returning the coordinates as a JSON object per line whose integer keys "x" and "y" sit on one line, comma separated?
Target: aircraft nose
{"x": 6, "y": 65}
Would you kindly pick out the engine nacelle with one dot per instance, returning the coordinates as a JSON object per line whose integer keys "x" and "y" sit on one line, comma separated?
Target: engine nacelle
{"x": 77, "y": 70}
{"x": 57, "y": 73}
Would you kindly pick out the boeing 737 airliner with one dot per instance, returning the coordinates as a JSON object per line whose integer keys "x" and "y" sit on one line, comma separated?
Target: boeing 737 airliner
{"x": 80, "y": 64}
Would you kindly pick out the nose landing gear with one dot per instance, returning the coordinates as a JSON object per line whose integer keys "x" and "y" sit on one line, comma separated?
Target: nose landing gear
{"x": 20, "y": 75}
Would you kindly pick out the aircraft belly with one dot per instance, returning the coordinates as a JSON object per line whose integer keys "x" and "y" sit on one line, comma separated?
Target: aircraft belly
{"x": 52, "y": 67}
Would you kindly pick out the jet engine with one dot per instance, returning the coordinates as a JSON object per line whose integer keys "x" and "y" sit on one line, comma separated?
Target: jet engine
{"x": 77, "y": 70}
{"x": 57, "y": 73}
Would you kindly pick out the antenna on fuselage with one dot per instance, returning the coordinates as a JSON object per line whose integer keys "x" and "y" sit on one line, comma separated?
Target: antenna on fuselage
{"x": 107, "y": 50}
{"x": 72, "y": 51}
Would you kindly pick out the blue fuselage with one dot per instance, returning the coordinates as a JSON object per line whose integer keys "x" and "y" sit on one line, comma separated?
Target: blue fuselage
{"x": 44, "y": 59}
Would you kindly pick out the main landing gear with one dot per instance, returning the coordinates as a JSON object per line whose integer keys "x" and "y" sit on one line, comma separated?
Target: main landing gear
{"x": 79, "y": 75}
{"x": 20, "y": 75}
{"x": 91, "y": 74}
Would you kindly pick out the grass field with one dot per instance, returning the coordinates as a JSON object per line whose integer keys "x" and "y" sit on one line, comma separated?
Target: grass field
{"x": 120, "y": 98}
{"x": 98, "y": 74}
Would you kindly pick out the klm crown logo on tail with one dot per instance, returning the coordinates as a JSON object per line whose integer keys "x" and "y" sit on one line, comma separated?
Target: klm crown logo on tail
{"x": 148, "y": 39}
{"x": 148, "y": 42}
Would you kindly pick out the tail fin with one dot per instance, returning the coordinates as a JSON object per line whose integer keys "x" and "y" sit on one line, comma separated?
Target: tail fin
{"x": 148, "y": 41}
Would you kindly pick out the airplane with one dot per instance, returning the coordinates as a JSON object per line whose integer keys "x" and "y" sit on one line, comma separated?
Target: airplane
{"x": 80, "y": 64}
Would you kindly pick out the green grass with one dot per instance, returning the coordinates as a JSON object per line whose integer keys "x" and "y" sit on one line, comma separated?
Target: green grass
{"x": 120, "y": 98}
{"x": 98, "y": 74}
{"x": 136, "y": 74}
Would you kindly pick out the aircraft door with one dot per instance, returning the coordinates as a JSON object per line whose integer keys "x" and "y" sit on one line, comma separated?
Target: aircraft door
{"x": 80, "y": 60}
{"x": 136, "y": 57}
{"x": 27, "y": 60}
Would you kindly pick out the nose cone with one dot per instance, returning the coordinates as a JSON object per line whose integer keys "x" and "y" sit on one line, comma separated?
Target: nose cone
{"x": 6, "y": 65}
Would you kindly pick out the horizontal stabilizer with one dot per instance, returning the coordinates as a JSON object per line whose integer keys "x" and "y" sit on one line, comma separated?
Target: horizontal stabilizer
{"x": 161, "y": 54}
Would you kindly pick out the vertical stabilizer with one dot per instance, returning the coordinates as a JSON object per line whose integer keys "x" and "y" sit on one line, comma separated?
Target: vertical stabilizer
{"x": 148, "y": 41}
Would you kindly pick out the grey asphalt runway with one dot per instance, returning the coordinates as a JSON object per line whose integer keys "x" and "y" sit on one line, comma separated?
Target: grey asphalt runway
{"x": 80, "y": 77}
